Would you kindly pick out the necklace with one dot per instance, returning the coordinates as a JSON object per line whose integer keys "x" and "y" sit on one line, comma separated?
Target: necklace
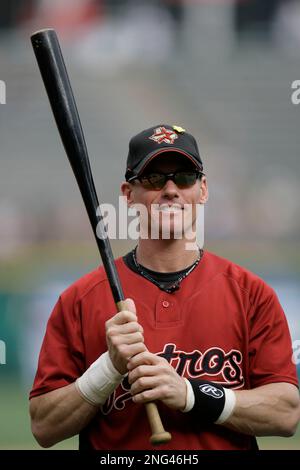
{"x": 168, "y": 287}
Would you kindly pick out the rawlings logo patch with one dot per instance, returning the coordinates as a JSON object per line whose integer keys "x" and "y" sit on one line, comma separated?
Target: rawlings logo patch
{"x": 210, "y": 390}
{"x": 162, "y": 134}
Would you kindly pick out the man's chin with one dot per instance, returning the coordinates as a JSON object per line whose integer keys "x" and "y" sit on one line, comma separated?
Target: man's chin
{"x": 171, "y": 232}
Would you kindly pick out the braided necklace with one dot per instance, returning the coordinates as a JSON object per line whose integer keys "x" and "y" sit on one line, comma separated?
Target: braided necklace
{"x": 170, "y": 286}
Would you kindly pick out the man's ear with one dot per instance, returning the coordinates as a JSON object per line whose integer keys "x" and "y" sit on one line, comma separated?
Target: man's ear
{"x": 204, "y": 190}
{"x": 126, "y": 189}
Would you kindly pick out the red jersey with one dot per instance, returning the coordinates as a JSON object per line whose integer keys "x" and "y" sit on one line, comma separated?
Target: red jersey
{"x": 224, "y": 324}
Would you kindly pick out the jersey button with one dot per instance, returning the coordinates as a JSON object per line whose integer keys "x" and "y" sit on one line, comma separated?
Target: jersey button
{"x": 166, "y": 304}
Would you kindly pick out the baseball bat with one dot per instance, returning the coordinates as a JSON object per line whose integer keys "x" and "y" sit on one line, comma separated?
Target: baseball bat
{"x": 55, "y": 77}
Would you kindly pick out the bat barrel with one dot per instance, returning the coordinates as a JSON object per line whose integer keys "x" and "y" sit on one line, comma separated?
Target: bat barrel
{"x": 55, "y": 77}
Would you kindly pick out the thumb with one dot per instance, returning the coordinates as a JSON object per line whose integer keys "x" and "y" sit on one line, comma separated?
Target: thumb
{"x": 130, "y": 305}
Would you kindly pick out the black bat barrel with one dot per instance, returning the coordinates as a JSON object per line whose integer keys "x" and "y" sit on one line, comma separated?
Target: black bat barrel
{"x": 55, "y": 77}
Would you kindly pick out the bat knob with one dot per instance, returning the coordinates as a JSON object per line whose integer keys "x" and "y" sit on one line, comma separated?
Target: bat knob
{"x": 160, "y": 438}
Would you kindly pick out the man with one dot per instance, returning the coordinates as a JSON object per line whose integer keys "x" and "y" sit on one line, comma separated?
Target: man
{"x": 204, "y": 338}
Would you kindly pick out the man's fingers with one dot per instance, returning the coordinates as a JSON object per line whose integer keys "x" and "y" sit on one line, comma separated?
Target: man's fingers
{"x": 121, "y": 318}
{"x": 144, "y": 383}
{"x": 130, "y": 338}
{"x": 116, "y": 330}
{"x": 143, "y": 358}
{"x": 128, "y": 350}
{"x": 141, "y": 371}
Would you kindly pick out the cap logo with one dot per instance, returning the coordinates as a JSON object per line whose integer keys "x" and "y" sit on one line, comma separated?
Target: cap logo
{"x": 179, "y": 129}
{"x": 161, "y": 134}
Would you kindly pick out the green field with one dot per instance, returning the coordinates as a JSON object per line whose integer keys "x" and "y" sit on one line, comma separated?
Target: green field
{"x": 15, "y": 426}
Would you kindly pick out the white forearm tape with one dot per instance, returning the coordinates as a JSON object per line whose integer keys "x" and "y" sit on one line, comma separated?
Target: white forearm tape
{"x": 99, "y": 380}
{"x": 230, "y": 401}
{"x": 190, "y": 396}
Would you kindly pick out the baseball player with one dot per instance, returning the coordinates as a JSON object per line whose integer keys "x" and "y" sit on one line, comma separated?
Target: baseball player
{"x": 205, "y": 339}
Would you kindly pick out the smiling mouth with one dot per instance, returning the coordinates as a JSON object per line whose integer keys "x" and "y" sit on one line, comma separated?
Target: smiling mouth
{"x": 173, "y": 208}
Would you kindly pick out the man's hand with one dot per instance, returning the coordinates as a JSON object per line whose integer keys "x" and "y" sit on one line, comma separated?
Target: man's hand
{"x": 124, "y": 337}
{"x": 153, "y": 378}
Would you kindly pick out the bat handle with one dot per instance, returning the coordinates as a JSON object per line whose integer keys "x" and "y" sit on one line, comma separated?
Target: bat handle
{"x": 159, "y": 435}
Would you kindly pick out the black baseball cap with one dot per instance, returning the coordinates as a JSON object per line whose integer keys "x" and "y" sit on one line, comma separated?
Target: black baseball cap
{"x": 158, "y": 140}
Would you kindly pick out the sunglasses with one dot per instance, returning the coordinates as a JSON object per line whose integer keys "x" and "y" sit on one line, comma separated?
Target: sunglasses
{"x": 182, "y": 179}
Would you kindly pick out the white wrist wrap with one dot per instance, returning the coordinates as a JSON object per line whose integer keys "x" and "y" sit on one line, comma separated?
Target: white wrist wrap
{"x": 190, "y": 396}
{"x": 230, "y": 401}
{"x": 99, "y": 380}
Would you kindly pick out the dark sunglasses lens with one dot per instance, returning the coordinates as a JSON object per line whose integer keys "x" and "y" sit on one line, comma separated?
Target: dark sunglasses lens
{"x": 153, "y": 181}
{"x": 185, "y": 179}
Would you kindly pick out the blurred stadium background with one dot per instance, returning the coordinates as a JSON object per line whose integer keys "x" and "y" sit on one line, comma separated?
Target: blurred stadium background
{"x": 222, "y": 69}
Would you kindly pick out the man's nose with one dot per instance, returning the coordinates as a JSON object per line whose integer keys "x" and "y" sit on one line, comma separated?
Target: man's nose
{"x": 170, "y": 189}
